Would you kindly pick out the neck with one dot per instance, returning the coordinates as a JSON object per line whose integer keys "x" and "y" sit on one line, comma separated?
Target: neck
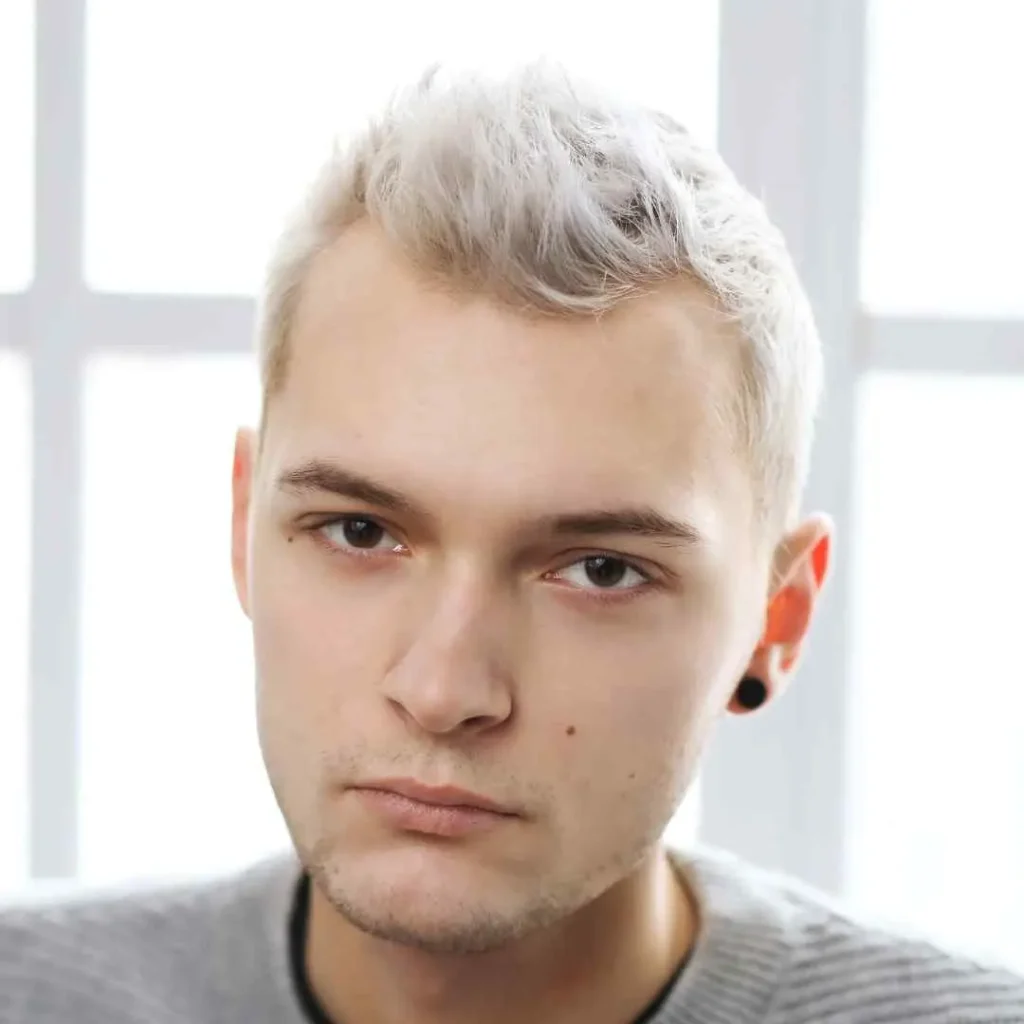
{"x": 603, "y": 964}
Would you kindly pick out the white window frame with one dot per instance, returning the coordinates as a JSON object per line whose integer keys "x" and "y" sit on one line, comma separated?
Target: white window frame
{"x": 791, "y": 125}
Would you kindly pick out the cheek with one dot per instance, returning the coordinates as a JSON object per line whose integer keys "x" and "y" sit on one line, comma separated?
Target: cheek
{"x": 310, "y": 623}
{"x": 629, "y": 722}
{"x": 628, "y": 683}
{"x": 318, "y": 641}
{"x": 638, "y": 735}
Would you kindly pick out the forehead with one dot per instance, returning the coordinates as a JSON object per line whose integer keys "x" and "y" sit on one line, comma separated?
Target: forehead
{"x": 466, "y": 399}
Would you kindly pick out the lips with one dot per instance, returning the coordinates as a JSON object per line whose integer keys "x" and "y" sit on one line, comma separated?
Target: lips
{"x": 438, "y": 796}
{"x": 405, "y": 805}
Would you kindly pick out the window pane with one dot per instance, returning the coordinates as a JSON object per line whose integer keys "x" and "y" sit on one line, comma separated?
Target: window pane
{"x": 14, "y": 593}
{"x": 16, "y": 140}
{"x": 937, "y": 763}
{"x": 172, "y": 782}
{"x": 944, "y": 207}
{"x": 188, "y": 174}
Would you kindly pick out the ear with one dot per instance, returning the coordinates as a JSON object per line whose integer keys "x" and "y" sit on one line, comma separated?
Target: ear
{"x": 242, "y": 475}
{"x": 800, "y": 569}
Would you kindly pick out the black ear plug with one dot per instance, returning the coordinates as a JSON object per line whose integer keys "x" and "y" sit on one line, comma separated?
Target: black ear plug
{"x": 751, "y": 693}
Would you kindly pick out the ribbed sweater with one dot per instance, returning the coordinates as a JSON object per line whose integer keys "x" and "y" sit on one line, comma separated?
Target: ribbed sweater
{"x": 770, "y": 951}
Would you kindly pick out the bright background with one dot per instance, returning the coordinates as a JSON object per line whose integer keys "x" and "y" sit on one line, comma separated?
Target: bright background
{"x": 148, "y": 152}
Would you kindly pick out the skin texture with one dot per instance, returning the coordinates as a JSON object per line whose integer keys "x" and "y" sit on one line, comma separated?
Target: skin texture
{"x": 455, "y": 633}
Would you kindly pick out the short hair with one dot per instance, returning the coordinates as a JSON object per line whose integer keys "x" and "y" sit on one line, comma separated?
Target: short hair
{"x": 550, "y": 194}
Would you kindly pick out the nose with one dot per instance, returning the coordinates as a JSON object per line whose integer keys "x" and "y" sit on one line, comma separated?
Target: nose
{"x": 453, "y": 677}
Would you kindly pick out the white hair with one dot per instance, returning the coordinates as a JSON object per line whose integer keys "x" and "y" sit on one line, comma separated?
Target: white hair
{"x": 546, "y": 193}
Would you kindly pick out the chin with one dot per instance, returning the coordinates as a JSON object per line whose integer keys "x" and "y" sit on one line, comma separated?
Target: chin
{"x": 431, "y": 899}
{"x": 441, "y": 931}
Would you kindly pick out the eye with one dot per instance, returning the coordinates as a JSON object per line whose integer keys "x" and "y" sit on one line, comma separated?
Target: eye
{"x": 603, "y": 572}
{"x": 358, "y": 533}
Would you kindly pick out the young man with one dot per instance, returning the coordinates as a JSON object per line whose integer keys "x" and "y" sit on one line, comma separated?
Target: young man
{"x": 518, "y": 527}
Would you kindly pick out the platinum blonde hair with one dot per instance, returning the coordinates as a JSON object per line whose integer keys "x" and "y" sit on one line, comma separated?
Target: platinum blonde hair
{"x": 550, "y": 195}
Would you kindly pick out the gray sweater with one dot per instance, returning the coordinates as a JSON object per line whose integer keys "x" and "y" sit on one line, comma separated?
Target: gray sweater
{"x": 770, "y": 952}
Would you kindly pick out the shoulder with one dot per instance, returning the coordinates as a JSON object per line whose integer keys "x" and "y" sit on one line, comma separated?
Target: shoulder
{"x": 872, "y": 973}
{"x": 155, "y": 954}
{"x": 851, "y": 968}
{"x": 833, "y": 965}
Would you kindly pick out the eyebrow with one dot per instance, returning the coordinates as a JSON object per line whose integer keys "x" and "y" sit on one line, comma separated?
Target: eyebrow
{"x": 638, "y": 522}
{"x": 319, "y": 476}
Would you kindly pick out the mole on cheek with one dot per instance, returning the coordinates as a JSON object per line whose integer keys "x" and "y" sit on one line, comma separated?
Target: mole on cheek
{"x": 570, "y": 730}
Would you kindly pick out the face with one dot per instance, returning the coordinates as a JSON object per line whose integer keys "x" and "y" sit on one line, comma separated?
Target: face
{"x": 505, "y": 563}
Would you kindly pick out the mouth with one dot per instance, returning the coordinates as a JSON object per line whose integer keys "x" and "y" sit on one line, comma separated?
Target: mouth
{"x": 411, "y": 806}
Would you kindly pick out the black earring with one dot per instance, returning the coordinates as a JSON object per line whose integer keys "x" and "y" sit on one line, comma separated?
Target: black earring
{"x": 751, "y": 693}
